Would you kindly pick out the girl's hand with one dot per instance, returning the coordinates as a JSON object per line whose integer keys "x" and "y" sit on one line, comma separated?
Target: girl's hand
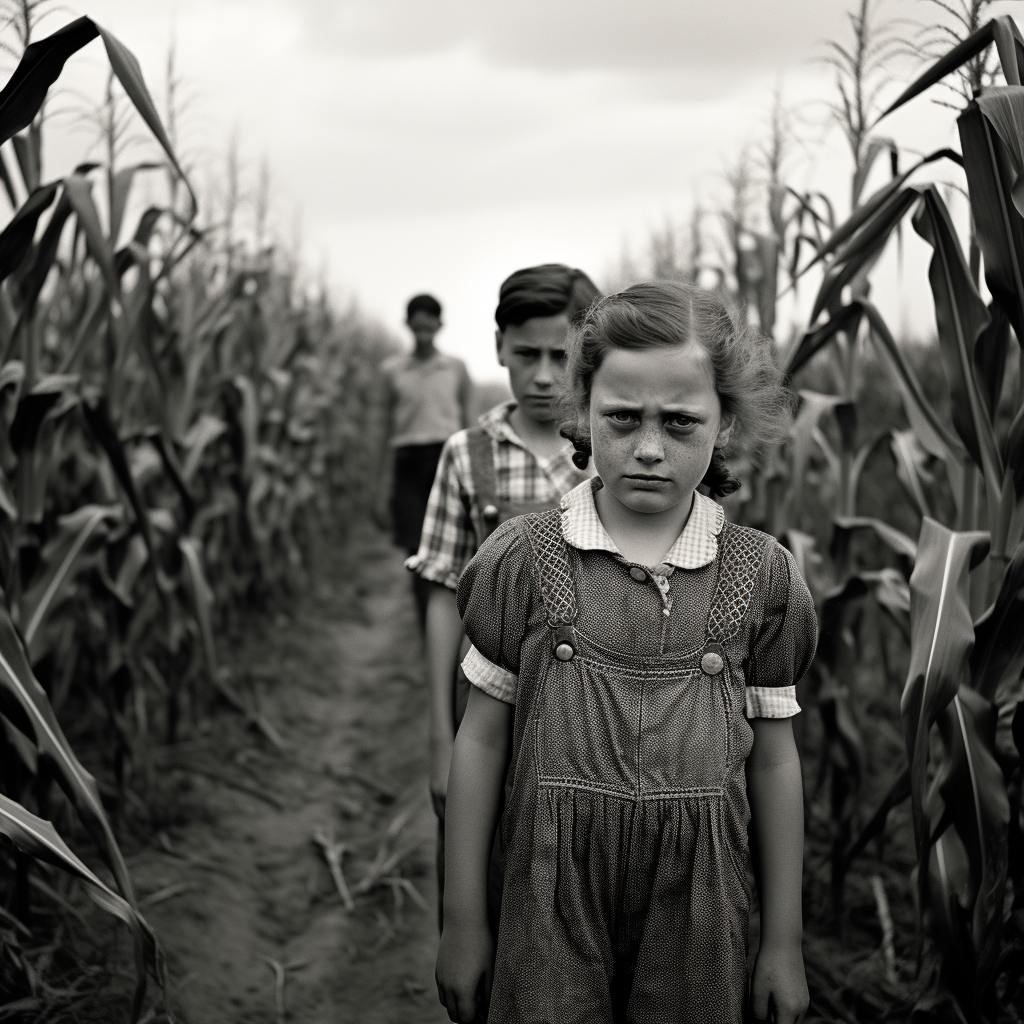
{"x": 465, "y": 965}
{"x": 779, "y": 988}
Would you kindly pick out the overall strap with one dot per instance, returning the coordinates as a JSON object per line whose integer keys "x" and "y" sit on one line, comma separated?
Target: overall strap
{"x": 743, "y": 551}
{"x": 481, "y": 468}
{"x": 556, "y": 584}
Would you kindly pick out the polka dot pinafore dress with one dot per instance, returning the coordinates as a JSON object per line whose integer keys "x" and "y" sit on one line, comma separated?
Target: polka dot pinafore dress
{"x": 625, "y": 896}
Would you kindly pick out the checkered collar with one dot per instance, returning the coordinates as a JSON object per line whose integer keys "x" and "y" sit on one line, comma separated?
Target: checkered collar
{"x": 697, "y": 545}
{"x": 496, "y": 422}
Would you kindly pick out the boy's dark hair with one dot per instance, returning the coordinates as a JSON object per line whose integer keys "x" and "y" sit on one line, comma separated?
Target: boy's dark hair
{"x": 547, "y": 290}
{"x": 423, "y": 304}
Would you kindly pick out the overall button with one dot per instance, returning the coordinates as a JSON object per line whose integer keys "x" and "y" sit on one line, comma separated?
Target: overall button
{"x": 638, "y": 574}
{"x": 490, "y": 512}
{"x": 564, "y": 652}
{"x": 712, "y": 663}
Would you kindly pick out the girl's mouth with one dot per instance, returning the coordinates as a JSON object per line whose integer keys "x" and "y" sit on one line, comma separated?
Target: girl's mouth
{"x": 649, "y": 481}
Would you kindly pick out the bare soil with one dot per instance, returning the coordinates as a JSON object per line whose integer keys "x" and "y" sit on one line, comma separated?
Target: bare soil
{"x": 236, "y": 885}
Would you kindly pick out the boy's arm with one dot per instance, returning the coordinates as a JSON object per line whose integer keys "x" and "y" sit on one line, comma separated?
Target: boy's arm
{"x": 775, "y": 792}
{"x": 444, "y": 637}
{"x": 465, "y": 958}
{"x": 465, "y": 397}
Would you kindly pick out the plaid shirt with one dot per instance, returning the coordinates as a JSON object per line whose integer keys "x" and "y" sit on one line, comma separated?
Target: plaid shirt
{"x": 448, "y": 540}
{"x": 696, "y": 546}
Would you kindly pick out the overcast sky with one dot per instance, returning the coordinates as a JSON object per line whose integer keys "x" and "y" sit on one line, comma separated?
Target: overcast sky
{"x": 440, "y": 144}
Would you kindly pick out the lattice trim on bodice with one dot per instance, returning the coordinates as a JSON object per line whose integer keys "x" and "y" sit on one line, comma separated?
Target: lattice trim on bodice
{"x": 742, "y": 551}
{"x": 556, "y": 583}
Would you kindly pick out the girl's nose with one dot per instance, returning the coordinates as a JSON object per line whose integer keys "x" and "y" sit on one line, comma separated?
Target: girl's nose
{"x": 649, "y": 447}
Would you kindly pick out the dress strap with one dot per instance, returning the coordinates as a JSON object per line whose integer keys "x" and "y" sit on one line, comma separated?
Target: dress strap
{"x": 481, "y": 467}
{"x": 743, "y": 551}
{"x": 556, "y": 583}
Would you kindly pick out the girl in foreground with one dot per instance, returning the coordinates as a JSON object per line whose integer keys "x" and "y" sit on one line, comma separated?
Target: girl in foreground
{"x": 634, "y": 661}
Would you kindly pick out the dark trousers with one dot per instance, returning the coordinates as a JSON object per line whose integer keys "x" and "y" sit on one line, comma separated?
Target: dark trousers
{"x": 415, "y": 466}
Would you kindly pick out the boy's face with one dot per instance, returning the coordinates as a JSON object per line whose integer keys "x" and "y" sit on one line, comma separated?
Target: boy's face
{"x": 534, "y": 355}
{"x": 424, "y": 327}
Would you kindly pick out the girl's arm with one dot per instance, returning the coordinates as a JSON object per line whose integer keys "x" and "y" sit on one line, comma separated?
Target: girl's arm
{"x": 444, "y": 637}
{"x": 465, "y": 959}
{"x": 775, "y": 792}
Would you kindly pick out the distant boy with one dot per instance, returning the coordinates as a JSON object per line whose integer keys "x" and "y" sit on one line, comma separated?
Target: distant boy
{"x": 425, "y": 400}
{"x": 514, "y": 462}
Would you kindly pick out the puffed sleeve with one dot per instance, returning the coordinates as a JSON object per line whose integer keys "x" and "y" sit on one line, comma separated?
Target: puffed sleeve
{"x": 784, "y": 640}
{"x": 494, "y": 599}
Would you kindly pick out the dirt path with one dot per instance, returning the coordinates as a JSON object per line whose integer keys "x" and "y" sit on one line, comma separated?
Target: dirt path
{"x": 236, "y": 887}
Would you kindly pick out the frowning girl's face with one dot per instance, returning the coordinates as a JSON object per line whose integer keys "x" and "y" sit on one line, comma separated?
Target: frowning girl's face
{"x": 655, "y": 420}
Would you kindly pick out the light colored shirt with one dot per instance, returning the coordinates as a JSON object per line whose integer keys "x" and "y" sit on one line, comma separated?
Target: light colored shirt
{"x": 448, "y": 540}
{"x": 427, "y": 397}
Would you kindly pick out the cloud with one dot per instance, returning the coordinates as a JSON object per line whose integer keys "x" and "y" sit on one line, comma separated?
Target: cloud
{"x": 646, "y": 36}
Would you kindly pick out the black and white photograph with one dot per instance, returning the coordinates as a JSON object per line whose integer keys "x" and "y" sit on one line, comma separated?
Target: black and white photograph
{"x": 511, "y": 513}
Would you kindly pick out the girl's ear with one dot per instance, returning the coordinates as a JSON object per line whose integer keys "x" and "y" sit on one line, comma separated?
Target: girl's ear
{"x": 725, "y": 431}
{"x": 497, "y": 342}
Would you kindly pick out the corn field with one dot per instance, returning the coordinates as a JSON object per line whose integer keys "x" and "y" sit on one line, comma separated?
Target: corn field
{"x": 179, "y": 424}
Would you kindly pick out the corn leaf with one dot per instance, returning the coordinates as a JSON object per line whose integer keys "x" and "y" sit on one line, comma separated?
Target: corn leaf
{"x": 897, "y": 793}
{"x": 998, "y": 657}
{"x": 25, "y": 703}
{"x": 813, "y": 405}
{"x": 16, "y": 238}
{"x": 38, "y": 69}
{"x": 38, "y": 838}
{"x": 897, "y": 540}
{"x": 129, "y": 74}
{"x": 38, "y": 269}
{"x": 910, "y": 467}
{"x": 1002, "y": 31}
{"x": 120, "y": 189}
{"x": 98, "y": 418}
{"x": 942, "y": 636}
{"x": 869, "y": 210}
{"x": 999, "y": 229}
{"x": 846, "y": 320}
{"x": 961, "y": 316}
{"x": 202, "y": 599}
{"x": 201, "y": 435}
{"x": 78, "y": 189}
{"x": 935, "y": 437}
{"x": 61, "y": 556}
{"x": 862, "y": 251}
{"x": 973, "y": 790}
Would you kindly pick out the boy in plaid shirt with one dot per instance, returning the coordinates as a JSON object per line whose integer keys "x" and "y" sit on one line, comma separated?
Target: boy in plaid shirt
{"x": 514, "y": 462}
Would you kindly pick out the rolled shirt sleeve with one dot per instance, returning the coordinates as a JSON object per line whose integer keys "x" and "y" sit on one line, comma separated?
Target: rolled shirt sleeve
{"x": 448, "y": 540}
{"x": 784, "y": 641}
{"x": 494, "y": 599}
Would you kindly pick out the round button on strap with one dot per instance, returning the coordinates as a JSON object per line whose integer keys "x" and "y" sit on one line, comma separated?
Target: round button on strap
{"x": 712, "y": 663}
{"x": 490, "y": 512}
{"x": 564, "y": 652}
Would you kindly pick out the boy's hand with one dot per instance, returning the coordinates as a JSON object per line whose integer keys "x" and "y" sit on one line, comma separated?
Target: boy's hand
{"x": 779, "y": 988}
{"x": 465, "y": 966}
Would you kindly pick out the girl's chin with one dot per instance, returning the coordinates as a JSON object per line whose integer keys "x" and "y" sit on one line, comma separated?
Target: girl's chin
{"x": 648, "y": 501}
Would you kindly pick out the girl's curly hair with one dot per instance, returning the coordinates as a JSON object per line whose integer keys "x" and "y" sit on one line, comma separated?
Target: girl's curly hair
{"x": 656, "y": 314}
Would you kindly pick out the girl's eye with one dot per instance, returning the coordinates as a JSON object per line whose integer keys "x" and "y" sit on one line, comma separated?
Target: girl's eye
{"x": 681, "y": 422}
{"x": 622, "y": 416}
